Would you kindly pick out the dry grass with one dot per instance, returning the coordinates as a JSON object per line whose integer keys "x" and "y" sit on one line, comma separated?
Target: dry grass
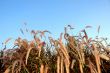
{"x": 79, "y": 54}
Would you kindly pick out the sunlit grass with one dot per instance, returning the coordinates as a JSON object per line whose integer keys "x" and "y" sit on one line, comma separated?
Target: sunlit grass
{"x": 78, "y": 54}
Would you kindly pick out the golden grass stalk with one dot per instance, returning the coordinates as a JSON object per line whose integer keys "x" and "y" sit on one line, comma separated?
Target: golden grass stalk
{"x": 92, "y": 67}
{"x": 65, "y": 52}
{"x": 78, "y": 51}
{"x": 81, "y": 67}
{"x": 46, "y": 69}
{"x": 14, "y": 65}
{"x": 27, "y": 55}
{"x": 62, "y": 67}
{"x": 97, "y": 58}
{"x": 7, "y": 70}
{"x": 81, "y": 57}
{"x": 39, "y": 48}
{"x": 67, "y": 66}
{"x": 58, "y": 64}
{"x": 42, "y": 68}
{"x": 105, "y": 57}
{"x": 72, "y": 64}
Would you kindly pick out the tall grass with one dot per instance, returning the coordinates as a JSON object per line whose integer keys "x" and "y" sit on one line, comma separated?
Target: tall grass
{"x": 78, "y": 54}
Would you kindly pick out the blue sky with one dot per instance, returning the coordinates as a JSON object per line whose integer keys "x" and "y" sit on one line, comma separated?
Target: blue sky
{"x": 53, "y": 15}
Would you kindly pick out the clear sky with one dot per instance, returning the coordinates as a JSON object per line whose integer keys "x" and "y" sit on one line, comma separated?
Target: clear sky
{"x": 53, "y": 15}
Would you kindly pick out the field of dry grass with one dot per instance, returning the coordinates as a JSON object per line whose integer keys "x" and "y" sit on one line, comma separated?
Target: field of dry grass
{"x": 78, "y": 54}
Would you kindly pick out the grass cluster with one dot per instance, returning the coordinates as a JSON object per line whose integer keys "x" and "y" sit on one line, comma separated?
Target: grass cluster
{"x": 68, "y": 54}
